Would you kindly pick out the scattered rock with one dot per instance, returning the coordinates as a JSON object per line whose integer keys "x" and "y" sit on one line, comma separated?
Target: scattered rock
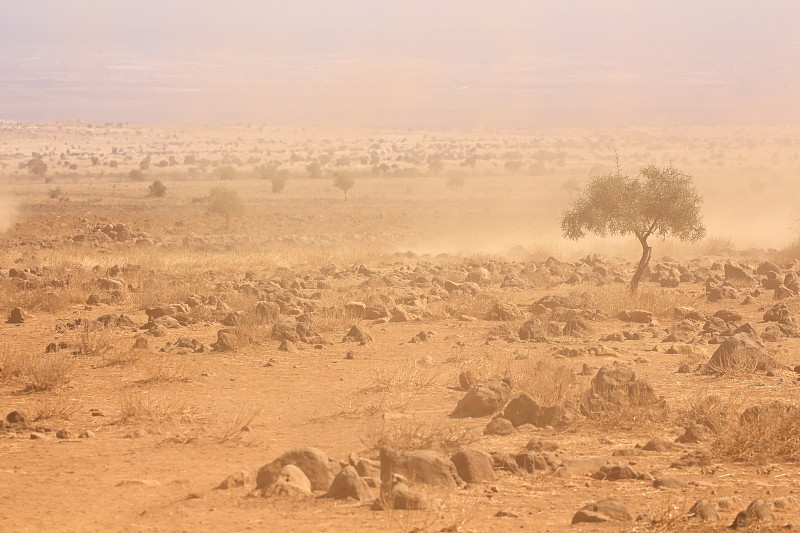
{"x": 424, "y": 466}
{"x": 358, "y": 334}
{"x": 311, "y": 461}
{"x": 349, "y": 484}
{"x": 669, "y": 483}
{"x": 738, "y": 351}
{"x": 289, "y": 481}
{"x": 17, "y": 316}
{"x": 235, "y": 480}
{"x": 603, "y": 511}
{"x": 499, "y": 426}
{"x": 474, "y": 466}
{"x": 484, "y": 399}
{"x": 704, "y": 510}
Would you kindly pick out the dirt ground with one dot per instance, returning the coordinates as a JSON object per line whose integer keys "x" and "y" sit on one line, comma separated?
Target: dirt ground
{"x": 454, "y": 226}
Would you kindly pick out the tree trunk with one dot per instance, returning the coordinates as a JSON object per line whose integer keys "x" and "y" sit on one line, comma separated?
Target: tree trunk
{"x": 647, "y": 251}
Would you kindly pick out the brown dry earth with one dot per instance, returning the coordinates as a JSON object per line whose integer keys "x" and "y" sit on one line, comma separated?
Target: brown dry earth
{"x": 168, "y": 423}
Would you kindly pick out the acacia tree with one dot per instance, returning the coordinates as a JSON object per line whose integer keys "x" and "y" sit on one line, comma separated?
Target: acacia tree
{"x": 660, "y": 201}
{"x": 225, "y": 202}
{"x": 344, "y": 183}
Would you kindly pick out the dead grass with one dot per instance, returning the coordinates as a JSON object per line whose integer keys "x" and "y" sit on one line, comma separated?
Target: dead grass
{"x": 148, "y": 406}
{"x": 765, "y": 433}
{"x": 97, "y": 341}
{"x": 787, "y": 254}
{"x": 58, "y": 407}
{"x": 163, "y": 368}
{"x": 48, "y": 371}
{"x": 12, "y": 361}
{"x": 238, "y": 430}
{"x": 49, "y": 295}
{"x": 159, "y": 291}
{"x": 250, "y": 330}
{"x": 409, "y": 434}
{"x": 610, "y": 300}
{"x": 462, "y": 304}
{"x": 402, "y": 375}
{"x": 122, "y": 357}
{"x": 545, "y": 379}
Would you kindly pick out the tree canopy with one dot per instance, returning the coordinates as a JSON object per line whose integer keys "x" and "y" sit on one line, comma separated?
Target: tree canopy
{"x": 660, "y": 201}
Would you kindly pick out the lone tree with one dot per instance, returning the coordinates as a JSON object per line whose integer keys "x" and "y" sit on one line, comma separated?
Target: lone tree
{"x": 225, "y": 202}
{"x": 344, "y": 182}
{"x": 660, "y": 202}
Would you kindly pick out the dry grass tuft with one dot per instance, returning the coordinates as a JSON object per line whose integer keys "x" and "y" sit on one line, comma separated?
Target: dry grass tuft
{"x": 761, "y": 434}
{"x": 49, "y": 371}
{"x": 161, "y": 368}
{"x": 144, "y": 405}
{"x": 402, "y": 376}
{"x": 59, "y": 407}
{"x": 545, "y": 379}
{"x": 12, "y": 361}
{"x": 462, "y": 304}
{"x": 409, "y": 434}
{"x": 611, "y": 300}
{"x": 97, "y": 341}
{"x": 238, "y": 429}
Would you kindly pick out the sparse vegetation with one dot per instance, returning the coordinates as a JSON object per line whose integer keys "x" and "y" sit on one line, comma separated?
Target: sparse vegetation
{"x": 157, "y": 189}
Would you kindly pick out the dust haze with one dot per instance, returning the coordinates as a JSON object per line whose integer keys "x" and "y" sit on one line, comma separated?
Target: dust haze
{"x": 304, "y": 266}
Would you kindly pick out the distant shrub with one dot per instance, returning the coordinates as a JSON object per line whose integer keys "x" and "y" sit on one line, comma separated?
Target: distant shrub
{"x": 455, "y": 182}
{"x": 226, "y": 172}
{"x": 37, "y": 167}
{"x": 157, "y": 189}
{"x": 278, "y": 183}
{"x": 136, "y": 175}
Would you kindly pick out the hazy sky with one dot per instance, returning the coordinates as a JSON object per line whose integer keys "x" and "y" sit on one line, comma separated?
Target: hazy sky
{"x": 407, "y": 63}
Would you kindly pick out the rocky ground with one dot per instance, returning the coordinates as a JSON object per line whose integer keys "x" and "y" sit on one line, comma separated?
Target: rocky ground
{"x": 162, "y": 370}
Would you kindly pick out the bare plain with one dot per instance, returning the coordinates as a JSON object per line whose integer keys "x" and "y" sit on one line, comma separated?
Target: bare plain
{"x": 160, "y": 352}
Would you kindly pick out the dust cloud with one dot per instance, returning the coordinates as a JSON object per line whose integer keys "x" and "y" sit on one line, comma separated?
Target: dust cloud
{"x": 8, "y": 213}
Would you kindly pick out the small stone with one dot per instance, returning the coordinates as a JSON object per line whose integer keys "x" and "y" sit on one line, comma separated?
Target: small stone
{"x": 499, "y": 426}
{"x": 237, "y": 479}
{"x": 18, "y": 418}
{"x": 17, "y": 316}
{"x": 669, "y": 483}
{"x": 506, "y": 513}
{"x": 139, "y": 482}
{"x": 704, "y": 510}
